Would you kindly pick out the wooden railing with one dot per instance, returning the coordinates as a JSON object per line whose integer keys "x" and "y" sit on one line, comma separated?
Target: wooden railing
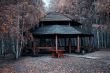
{"x": 37, "y": 49}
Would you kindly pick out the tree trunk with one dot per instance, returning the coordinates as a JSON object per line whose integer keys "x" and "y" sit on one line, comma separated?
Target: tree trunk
{"x": 2, "y": 50}
{"x": 98, "y": 39}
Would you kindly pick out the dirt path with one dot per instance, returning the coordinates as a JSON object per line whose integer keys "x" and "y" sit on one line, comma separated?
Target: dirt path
{"x": 69, "y": 64}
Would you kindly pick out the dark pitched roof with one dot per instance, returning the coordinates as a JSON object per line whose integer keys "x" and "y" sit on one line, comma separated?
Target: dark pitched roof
{"x": 58, "y": 18}
{"x": 59, "y": 30}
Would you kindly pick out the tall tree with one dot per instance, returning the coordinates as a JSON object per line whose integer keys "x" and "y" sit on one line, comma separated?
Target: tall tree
{"x": 18, "y": 18}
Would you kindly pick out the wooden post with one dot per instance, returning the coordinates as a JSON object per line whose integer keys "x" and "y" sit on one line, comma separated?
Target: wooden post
{"x": 69, "y": 24}
{"x": 69, "y": 44}
{"x": 78, "y": 44}
{"x": 65, "y": 44}
{"x": 34, "y": 50}
{"x": 90, "y": 48}
{"x": 56, "y": 42}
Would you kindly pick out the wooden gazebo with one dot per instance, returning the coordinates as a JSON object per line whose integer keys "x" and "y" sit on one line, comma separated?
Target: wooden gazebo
{"x": 60, "y": 31}
{"x": 56, "y": 25}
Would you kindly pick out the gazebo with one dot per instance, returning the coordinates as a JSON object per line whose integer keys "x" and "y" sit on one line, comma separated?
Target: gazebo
{"x": 60, "y": 31}
{"x": 57, "y": 26}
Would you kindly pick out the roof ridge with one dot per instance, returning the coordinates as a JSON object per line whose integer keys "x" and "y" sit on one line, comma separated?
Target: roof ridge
{"x": 67, "y": 16}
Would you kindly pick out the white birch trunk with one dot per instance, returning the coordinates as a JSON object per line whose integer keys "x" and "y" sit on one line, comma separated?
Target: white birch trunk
{"x": 13, "y": 45}
{"x": 2, "y": 50}
{"x": 98, "y": 39}
{"x": 17, "y": 49}
{"x": 105, "y": 39}
{"x": 102, "y": 40}
{"x": 17, "y": 40}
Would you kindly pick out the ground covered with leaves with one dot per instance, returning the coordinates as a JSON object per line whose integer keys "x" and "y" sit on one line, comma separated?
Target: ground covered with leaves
{"x": 97, "y": 62}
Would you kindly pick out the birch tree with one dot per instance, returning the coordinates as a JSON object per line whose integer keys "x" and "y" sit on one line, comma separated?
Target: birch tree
{"x": 19, "y": 18}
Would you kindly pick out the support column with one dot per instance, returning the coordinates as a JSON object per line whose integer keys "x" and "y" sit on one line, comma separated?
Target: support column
{"x": 69, "y": 45}
{"x": 65, "y": 44}
{"x": 78, "y": 44}
{"x": 56, "y": 42}
{"x": 90, "y": 48}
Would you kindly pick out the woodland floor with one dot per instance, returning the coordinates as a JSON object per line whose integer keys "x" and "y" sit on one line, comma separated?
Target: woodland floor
{"x": 96, "y": 62}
